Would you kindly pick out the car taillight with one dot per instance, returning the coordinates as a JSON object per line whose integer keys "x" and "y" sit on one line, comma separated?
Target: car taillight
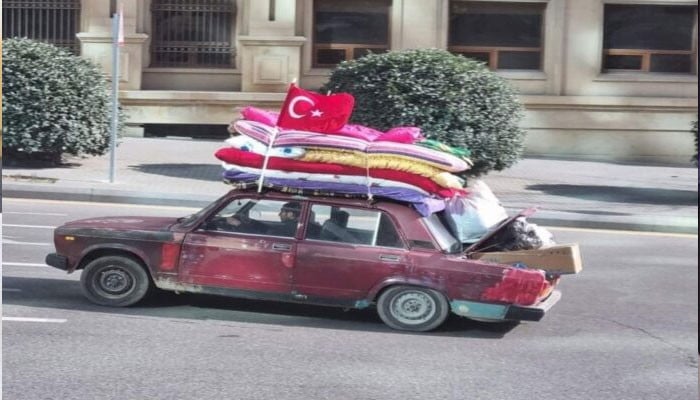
{"x": 169, "y": 256}
{"x": 519, "y": 286}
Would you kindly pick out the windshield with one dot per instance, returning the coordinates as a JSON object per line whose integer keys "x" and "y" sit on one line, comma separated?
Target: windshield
{"x": 187, "y": 221}
{"x": 444, "y": 238}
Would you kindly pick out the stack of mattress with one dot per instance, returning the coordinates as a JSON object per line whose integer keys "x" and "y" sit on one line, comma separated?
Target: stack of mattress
{"x": 356, "y": 161}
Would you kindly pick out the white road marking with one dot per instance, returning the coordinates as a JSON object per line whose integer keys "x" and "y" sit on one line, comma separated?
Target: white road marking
{"x": 621, "y": 232}
{"x": 7, "y": 289}
{"x": 35, "y": 213}
{"x": 20, "y": 319}
{"x": 10, "y": 241}
{"x": 29, "y": 226}
{"x": 100, "y": 204}
{"x": 20, "y": 264}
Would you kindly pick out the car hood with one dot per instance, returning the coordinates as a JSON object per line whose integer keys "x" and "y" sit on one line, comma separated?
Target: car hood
{"x": 122, "y": 223}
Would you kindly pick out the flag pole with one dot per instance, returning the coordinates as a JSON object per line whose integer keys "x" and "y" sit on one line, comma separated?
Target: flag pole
{"x": 275, "y": 131}
{"x": 116, "y": 36}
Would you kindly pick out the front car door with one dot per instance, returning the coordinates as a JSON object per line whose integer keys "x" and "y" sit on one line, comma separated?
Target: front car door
{"x": 256, "y": 255}
{"x": 353, "y": 250}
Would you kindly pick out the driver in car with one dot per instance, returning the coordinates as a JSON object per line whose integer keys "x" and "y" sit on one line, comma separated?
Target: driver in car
{"x": 289, "y": 219}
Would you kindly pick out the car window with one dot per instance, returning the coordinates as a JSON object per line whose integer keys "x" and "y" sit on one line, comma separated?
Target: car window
{"x": 256, "y": 216}
{"x": 354, "y": 225}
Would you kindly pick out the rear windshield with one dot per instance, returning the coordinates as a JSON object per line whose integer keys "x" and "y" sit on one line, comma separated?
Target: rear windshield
{"x": 443, "y": 237}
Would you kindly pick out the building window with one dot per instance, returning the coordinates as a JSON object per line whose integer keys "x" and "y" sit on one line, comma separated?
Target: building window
{"x": 503, "y": 35}
{"x": 50, "y": 21}
{"x": 650, "y": 38}
{"x": 193, "y": 34}
{"x": 345, "y": 30}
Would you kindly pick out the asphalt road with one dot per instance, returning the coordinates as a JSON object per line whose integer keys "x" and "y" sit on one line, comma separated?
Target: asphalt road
{"x": 626, "y": 328}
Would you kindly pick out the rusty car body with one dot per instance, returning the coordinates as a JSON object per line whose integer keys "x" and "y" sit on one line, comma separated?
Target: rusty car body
{"x": 410, "y": 267}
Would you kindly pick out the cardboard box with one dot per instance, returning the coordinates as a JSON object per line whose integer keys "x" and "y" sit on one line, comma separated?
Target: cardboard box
{"x": 563, "y": 258}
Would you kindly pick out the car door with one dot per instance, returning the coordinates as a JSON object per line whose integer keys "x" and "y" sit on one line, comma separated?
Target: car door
{"x": 257, "y": 258}
{"x": 345, "y": 258}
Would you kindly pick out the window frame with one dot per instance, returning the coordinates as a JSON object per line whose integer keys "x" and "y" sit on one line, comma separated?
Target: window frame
{"x": 646, "y": 54}
{"x": 494, "y": 51}
{"x": 235, "y": 26}
{"x": 348, "y": 48}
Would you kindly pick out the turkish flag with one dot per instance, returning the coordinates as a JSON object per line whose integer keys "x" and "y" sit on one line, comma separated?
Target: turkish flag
{"x": 309, "y": 111}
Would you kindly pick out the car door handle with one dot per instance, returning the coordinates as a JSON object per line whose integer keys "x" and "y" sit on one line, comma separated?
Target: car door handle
{"x": 281, "y": 246}
{"x": 389, "y": 258}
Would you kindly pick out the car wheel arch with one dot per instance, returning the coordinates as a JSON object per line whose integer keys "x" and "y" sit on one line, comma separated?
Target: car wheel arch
{"x": 95, "y": 253}
{"x": 385, "y": 285}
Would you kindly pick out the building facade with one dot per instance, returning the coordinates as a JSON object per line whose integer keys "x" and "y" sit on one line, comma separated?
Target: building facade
{"x": 599, "y": 79}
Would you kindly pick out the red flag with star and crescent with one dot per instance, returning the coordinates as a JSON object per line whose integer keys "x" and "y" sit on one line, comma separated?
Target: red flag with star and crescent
{"x": 309, "y": 111}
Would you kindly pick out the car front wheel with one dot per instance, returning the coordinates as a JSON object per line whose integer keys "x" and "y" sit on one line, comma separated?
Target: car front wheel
{"x": 412, "y": 308}
{"x": 115, "y": 281}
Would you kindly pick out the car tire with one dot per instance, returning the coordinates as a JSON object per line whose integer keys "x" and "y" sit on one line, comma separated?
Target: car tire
{"x": 115, "y": 281}
{"x": 412, "y": 308}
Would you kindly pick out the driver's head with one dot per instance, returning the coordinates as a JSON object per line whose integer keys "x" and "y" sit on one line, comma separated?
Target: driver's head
{"x": 290, "y": 211}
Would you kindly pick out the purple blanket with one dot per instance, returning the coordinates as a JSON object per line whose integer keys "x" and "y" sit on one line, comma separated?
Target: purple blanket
{"x": 425, "y": 205}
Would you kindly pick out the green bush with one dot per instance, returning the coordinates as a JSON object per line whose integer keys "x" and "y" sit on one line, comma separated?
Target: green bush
{"x": 694, "y": 129}
{"x": 53, "y": 103}
{"x": 452, "y": 99}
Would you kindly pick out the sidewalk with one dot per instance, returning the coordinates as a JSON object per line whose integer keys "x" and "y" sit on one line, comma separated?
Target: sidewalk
{"x": 185, "y": 172}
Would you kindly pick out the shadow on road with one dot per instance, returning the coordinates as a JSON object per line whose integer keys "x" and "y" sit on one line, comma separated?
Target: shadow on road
{"x": 620, "y": 194}
{"x": 66, "y": 295}
{"x": 205, "y": 172}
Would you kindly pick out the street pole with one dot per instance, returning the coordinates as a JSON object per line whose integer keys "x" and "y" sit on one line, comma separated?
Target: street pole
{"x": 115, "y": 94}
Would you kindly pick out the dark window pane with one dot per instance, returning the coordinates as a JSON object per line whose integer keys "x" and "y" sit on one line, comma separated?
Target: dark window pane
{"x": 363, "y": 51}
{"x": 651, "y": 27}
{"x": 518, "y": 60}
{"x": 671, "y": 63}
{"x": 351, "y": 27}
{"x": 493, "y": 24}
{"x": 477, "y": 56}
{"x": 329, "y": 56}
{"x": 622, "y": 62}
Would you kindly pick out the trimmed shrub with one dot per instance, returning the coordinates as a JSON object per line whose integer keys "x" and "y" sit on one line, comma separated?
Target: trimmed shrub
{"x": 455, "y": 100}
{"x": 694, "y": 129}
{"x": 53, "y": 103}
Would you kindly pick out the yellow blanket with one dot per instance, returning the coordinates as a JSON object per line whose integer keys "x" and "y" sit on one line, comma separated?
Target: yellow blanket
{"x": 384, "y": 161}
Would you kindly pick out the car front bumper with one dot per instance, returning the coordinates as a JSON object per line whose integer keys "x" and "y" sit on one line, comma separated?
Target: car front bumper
{"x": 57, "y": 261}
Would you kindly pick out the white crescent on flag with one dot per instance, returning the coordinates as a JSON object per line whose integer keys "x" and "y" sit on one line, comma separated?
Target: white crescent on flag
{"x": 294, "y": 101}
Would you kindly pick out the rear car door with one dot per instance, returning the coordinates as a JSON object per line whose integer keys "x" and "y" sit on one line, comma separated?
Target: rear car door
{"x": 352, "y": 251}
{"x": 256, "y": 256}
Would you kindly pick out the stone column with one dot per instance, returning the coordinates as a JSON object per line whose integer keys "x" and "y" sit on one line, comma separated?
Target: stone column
{"x": 96, "y": 40}
{"x": 270, "y": 51}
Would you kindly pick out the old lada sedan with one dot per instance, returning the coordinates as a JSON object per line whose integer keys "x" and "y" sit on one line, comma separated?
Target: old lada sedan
{"x": 343, "y": 252}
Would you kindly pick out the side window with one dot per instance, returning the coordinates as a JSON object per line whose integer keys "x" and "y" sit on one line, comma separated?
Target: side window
{"x": 259, "y": 217}
{"x": 355, "y": 226}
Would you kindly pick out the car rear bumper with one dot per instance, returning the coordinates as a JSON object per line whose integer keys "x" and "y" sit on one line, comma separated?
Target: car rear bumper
{"x": 504, "y": 312}
{"x": 57, "y": 261}
{"x": 533, "y": 313}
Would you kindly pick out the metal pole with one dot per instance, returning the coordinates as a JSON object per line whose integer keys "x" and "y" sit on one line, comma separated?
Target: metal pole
{"x": 115, "y": 95}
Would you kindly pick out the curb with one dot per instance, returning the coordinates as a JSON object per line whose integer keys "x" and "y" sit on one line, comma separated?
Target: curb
{"x": 681, "y": 225}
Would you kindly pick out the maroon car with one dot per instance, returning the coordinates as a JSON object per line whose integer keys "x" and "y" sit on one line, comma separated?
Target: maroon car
{"x": 343, "y": 252}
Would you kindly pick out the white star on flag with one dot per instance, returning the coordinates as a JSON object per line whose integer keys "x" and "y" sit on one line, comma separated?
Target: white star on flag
{"x": 316, "y": 113}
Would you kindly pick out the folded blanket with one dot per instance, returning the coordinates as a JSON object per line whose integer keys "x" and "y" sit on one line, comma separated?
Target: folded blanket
{"x": 264, "y": 134}
{"x": 248, "y": 159}
{"x": 425, "y": 205}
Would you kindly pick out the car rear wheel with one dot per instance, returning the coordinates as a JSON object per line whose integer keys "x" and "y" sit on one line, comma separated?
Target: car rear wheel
{"x": 412, "y": 308}
{"x": 115, "y": 281}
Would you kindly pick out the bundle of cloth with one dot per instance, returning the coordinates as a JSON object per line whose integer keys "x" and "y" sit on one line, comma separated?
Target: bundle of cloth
{"x": 399, "y": 164}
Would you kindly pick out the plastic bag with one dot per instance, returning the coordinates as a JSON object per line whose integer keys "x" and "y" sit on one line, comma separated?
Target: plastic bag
{"x": 471, "y": 216}
{"x": 522, "y": 235}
